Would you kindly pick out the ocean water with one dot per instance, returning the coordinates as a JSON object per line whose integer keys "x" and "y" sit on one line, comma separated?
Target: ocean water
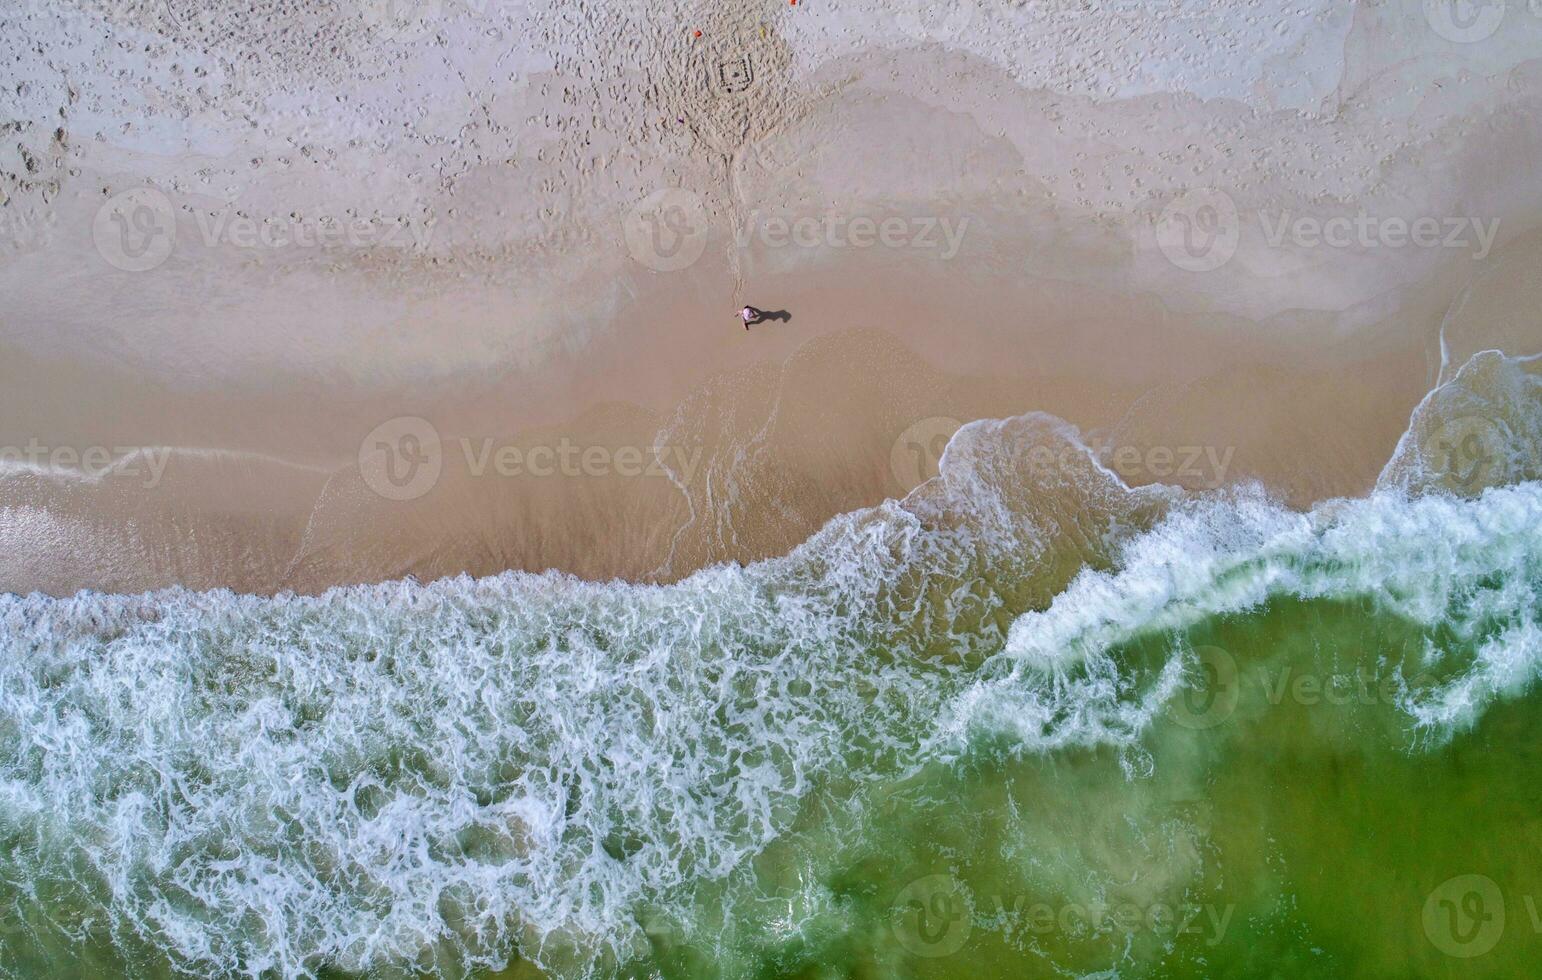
{"x": 1025, "y": 722}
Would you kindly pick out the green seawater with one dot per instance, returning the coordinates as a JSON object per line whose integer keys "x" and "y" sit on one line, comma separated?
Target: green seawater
{"x": 989, "y": 731}
{"x": 1282, "y": 820}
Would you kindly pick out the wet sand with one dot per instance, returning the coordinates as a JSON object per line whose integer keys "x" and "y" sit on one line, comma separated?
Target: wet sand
{"x": 552, "y": 391}
{"x": 706, "y": 443}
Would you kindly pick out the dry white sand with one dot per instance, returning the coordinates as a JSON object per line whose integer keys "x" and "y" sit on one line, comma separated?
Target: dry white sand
{"x": 239, "y": 245}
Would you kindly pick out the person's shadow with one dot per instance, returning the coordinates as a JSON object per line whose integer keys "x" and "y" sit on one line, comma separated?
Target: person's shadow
{"x": 781, "y": 316}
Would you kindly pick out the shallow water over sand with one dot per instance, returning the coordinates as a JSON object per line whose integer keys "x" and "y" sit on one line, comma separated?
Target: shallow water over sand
{"x": 1021, "y": 717}
{"x": 1122, "y": 556}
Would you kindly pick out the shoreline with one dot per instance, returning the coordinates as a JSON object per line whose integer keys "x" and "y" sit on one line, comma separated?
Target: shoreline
{"x": 1118, "y": 550}
{"x": 594, "y": 502}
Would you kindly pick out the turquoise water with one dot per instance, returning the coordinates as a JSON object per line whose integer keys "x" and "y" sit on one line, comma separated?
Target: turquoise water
{"x": 1022, "y": 723}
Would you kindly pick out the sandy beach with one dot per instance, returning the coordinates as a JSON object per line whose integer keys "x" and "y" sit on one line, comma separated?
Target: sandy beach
{"x": 225, "y": 315}
{"x": 1117, "y": 551}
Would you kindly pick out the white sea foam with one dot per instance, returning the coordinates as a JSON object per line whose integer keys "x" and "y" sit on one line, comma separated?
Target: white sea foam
{"x": 430, "y": 777}
{"x": 1473, "y": 567}
{"x": 385, "y": 774}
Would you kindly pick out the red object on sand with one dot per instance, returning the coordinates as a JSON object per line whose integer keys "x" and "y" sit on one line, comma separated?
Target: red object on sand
{"x": 698, "y": 33}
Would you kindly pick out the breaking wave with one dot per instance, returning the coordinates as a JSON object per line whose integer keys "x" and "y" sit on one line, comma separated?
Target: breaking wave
{"x": 441, "y": 777}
